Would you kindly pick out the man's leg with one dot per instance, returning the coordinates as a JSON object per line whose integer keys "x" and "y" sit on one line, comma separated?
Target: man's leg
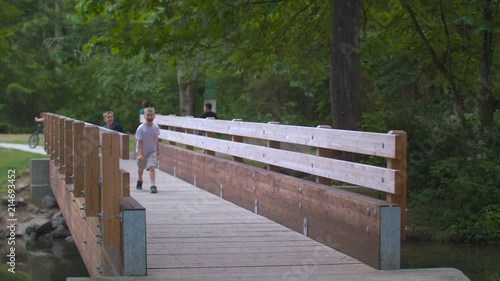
{"x": 140, "y": 172}
{"x": 152, "y": 175}
{"x": 152, "y": 171}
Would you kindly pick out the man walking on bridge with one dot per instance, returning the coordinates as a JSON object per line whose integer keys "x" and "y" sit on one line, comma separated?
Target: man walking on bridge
{"x": 147, "y": 148}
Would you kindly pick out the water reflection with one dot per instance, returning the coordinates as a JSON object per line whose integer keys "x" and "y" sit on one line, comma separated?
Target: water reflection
{"x": 477, "y": 262}
{"x": 44, "y": 261}
{"x": 58, "y": 260}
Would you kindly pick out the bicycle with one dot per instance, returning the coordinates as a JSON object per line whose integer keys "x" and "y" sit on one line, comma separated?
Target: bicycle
{"x": 35, "y": 138}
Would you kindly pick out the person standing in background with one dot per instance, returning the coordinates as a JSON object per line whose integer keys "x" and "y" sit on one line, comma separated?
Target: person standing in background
{"x": 109, "y": 122}
{"x": 207, "y": 111}
{"x": 145, "y": 104}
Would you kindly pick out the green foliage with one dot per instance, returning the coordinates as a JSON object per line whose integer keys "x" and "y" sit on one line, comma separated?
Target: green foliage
{"x": 453, "y": 180}
{"x": 270, "y": 61}
{"x": 264, "y": 100}
{"x": 8, "y": 14}
{"x": 18, "y": 276}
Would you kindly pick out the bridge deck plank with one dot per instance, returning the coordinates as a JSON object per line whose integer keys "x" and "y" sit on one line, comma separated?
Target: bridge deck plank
{"x": 194, "y": 235}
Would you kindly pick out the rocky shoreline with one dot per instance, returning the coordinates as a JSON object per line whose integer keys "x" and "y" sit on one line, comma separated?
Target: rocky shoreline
{"x": 45, "y": 223}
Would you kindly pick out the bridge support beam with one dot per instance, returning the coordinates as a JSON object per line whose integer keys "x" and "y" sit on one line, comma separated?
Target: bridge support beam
{"x": 40, "y": 178}
{"x": 390, "y": 240}
{"x": 133, "y": 237}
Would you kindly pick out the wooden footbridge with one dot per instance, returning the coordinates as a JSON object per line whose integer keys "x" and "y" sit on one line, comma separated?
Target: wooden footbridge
{"x": 218, "y": 218}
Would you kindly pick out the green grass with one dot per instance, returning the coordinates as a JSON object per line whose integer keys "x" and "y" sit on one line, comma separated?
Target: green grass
{"x": 17, "y": 276}
{"x": 19, "y": 138}
{"x": 17, "y": 160}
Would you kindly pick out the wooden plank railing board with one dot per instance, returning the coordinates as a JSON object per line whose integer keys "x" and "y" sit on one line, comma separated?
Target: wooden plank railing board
{"x": 125, "y": 183}
{"x": 237, "y": 139}
{"x": 45, "y": 132}
{"x": 324, "y": 152}
{"x": 378, "y": 178}
{"x": 123, "y": 143}
{"x": 51, "y": 137}
{"x": 399, "y": 164}
{"x": 68, "y": 144}
{"x": 56, "y": 141}
{"x": 62, "y": 150}
{"x": 92, "y": 163}
{"x": 377, "y": 144}
{"x": 275, "y": 145}
{"x": 78, "y": 158}
{"x": 111, "y": 192}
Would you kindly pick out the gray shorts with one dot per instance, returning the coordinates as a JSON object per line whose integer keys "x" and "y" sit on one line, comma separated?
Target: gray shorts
{"x": 147, "y": 161}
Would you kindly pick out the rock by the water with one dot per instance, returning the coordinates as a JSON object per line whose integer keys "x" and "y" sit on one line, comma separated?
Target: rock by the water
{"x": 61, "y": 232}
{"x": 69, "y": 239}
{"x": 48, "y": 202}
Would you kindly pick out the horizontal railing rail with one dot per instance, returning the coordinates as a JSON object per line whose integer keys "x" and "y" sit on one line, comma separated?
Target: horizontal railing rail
{"x": 376, "y": 144}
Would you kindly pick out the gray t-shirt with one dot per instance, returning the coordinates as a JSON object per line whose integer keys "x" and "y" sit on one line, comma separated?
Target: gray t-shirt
{"x": 149, "y": 136}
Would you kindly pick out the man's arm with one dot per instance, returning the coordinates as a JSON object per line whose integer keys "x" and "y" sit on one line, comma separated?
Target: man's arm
{"x": 139, "y": 149}
{"x": 157, "y": 145}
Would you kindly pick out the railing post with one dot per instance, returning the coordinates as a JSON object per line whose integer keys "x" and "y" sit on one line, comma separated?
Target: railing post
{"x": 45, "y": 133}
{"x": 400, "y": 163}
{"x": 124, "y": 142}
{"x": 210, "y": 135}
{"x": 189, "y": 131}
{"x": 323, "y": 152}
{"x": 237, "y": 139}
{"x": 125, "y": 177}
{"x": 172, "y": 129}
{"x": 111, "y": 192}
{"x": 78, "y": 159}
{"x": 56, "y": 141}
{"x": 276, "y": 145}
{"x": 61, "y": 144}
{"x": 92, "y": 192}
{"x": 68, "y": 144}
{"x": 53, "y": 138}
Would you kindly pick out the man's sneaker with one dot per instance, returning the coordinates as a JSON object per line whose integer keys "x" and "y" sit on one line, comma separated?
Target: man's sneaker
{"x": 138, "y": 186}
{"x": 154, "y": 189}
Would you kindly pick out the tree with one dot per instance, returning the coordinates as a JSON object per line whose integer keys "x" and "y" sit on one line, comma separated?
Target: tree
{"x": 344, "y": 64}
{"x": 487, "y": 88}
{"x": 8, "y": 14}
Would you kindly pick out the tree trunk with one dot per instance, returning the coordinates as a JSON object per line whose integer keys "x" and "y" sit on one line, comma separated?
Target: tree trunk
{"x": 486, "y": 92}
{"x": 58, "y": 34}
{"x": 344, "y": 64}
{"x": 187, "y": 91}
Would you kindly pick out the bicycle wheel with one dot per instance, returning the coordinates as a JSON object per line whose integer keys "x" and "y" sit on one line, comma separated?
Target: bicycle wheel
{"x": 33, "y": 140}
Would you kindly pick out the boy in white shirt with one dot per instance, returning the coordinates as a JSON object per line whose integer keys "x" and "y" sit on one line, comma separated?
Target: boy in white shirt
{"x": 147, "y": 148}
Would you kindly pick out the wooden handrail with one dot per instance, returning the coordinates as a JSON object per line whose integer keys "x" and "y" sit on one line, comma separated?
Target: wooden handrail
{"x": 377, "y": 178}
{"x": 376, "y": 144}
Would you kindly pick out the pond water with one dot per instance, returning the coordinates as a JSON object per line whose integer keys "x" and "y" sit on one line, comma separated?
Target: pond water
{"x": 43, "y": 261}
{"x": 477, "y": 262}
{"x": 59, "y": 260}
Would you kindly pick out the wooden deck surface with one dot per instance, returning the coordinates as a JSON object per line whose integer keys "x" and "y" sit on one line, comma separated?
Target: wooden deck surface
{"x": 195, "y": 235}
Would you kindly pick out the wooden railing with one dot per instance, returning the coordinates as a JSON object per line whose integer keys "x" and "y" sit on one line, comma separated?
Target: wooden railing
{"x": 91, "y": 190}
{"x": 297, "y": 203}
